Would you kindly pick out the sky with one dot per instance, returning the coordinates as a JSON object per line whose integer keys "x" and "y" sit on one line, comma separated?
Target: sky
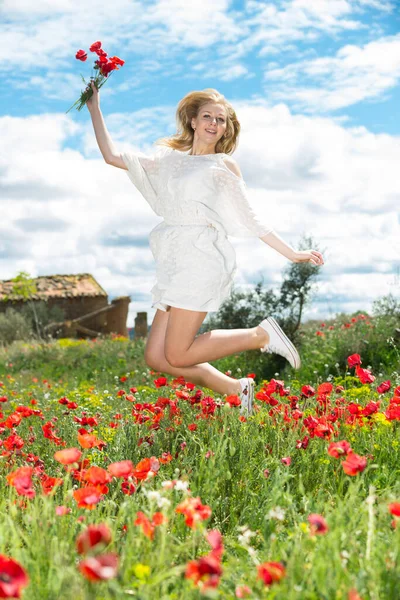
{"x": 316, "y": 88}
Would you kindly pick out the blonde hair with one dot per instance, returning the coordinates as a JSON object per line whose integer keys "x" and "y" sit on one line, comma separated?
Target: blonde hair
{"x": 188, "y": 108}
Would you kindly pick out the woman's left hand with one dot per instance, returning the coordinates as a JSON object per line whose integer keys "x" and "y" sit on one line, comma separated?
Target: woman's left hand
{"x": 311, "y": 256}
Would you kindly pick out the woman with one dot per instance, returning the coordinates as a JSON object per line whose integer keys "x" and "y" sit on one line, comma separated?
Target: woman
{"x": 193, "y": 182}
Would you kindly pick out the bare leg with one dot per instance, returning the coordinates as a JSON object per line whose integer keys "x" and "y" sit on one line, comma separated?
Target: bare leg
{"x": 183, "y": 349}
{"x": 202, "y": 374}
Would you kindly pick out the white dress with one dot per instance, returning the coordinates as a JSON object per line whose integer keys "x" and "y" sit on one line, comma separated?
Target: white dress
{"x": 201, "y": 202}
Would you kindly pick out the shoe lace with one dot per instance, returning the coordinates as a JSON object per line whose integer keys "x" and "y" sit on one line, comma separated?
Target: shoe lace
{"x": 273, "y": 348}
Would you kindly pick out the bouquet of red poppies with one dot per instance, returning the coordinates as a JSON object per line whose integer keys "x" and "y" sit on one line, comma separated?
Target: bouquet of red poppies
{"x": 103, "y": 65}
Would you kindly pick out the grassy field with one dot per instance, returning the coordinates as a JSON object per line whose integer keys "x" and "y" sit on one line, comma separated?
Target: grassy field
{"x": 118, "y": 482}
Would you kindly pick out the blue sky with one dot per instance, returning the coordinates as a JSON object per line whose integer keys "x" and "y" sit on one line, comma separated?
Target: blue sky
{"x": 315, "y": 84}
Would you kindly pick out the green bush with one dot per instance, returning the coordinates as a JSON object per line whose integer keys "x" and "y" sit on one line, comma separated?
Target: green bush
{"x": 28, "y": 322}
{"x": 14, "y": 326}
{"x": 39, "y": 314}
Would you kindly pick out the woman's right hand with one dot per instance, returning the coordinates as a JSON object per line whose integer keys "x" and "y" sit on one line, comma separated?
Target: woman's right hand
{"x": 94, "y": 101}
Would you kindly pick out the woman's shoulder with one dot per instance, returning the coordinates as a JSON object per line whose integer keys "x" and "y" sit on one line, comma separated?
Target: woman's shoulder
{"x": 230, "y": 163}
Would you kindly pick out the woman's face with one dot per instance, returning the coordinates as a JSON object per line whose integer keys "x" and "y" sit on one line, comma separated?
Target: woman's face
{"x": 210, "y": 124}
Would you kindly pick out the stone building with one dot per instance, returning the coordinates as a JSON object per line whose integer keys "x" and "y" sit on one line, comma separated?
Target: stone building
{"x": 81, "y": 297}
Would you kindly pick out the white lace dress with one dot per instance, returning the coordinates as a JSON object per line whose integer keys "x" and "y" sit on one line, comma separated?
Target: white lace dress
{"x": 201, "y": 202}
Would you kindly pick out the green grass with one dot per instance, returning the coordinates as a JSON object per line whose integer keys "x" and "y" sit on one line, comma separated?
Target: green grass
{"x": 223, "y": 462}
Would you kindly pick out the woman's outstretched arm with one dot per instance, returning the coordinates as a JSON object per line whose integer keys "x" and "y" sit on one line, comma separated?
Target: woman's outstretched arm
{"x": 278, "y": 244}
{"x": 274, "y": 240}
{"x": 104, "y": 141}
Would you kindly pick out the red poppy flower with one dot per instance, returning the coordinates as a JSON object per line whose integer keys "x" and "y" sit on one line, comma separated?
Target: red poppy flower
{"x": 93, "y": 536}
{"x": 13, "y": 578}
{"x": 49, "y": 483}
{"x": 192, "y": 427}
{"x": 233, "y": 400}
{"x": 117, "y": 61}
{"x": 353, "y": 595}
{"x": 87, "y": 497}
{"x": 394, "y": 509}
{"x": 21, "y": 479}
{"x": 165, "y": 458}
{"x": 364, "y": 375}
{"x": 242, "y": 591}
{"x": 68, "y": 456}
{"x": 145, "y": 523}
{"x": 62, "y": 510}
{"x": 337, "y": 449}
{"x": 124, "y": 468}
{"x": 88, "y": 440}
{"x": 205, "y": 571}
{"x": 325, "y": 388}
{"x": 193, "y": 510}
{"x": 393, "y": 412}
{"x": 95, "y": 47}
{"x": 49, "y": 434}
{"x": 214, "y": 538}
{"x": 354, "y": 464}
{"x": 353, "y": 360}
{"x": 303, "y": 444}
{"x": 271, "y": 572}
{"x": 308, "y": 391}
{"x": 161, "y": 381}
{"x": 13, "y": 420}
{"x": 128, "y": 488}
{"x": 146, "y": 467}
{"x": 318, "y": 525}
{"x": 99, "y": 568}
{"x": 14, "y": 442}
{"x": 148, "y": 527}
{"x": 97, "y": 476}
{"x": 286, "y": 460}
{"x": 383, "y": 387}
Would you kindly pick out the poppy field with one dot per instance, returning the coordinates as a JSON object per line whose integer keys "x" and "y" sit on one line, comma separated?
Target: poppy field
{"x": 126, "y": 483}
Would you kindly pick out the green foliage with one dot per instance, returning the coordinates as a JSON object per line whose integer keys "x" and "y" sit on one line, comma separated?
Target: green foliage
{"x": 14, "y": 326}
{"x": 262, "y": 518}
{"x": 297, "y": 288}
{"x": 40, "y": 314}
{"x": 32, "y": 317}
{"x": 243, "y": 309}
{"x": 388, "y": 305}
{"x": 23, "y": 287}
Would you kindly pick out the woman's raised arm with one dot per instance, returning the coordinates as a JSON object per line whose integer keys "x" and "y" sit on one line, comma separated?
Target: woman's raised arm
{"x": 104, "y": 141}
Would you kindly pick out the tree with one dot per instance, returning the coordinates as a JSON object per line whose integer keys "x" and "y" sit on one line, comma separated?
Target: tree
{"x": 243, "y": 309}
{"x": 296, "y": 288}
{"x": 24, "y": 287}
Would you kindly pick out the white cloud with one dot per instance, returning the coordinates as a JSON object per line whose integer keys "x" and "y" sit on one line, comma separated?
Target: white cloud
{"x": 304, "y": 174}
{"x": 354, "y": 74}
{"x": 47, "y": 33}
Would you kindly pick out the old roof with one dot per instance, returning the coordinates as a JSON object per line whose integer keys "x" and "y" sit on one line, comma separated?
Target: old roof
{"x": 57, "y": 286}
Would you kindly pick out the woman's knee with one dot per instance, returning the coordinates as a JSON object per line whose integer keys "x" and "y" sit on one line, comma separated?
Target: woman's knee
{"x": 152, "y": 360}
{"x": 174, "y": 358}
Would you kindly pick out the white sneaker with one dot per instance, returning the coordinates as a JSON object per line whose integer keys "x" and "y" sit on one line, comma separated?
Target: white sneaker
{"x": 247, "y": 395}
{"x": 279, "y": 343}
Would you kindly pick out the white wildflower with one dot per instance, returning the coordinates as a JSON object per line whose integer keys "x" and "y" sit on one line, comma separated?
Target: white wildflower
{"x": 277, "y": 513}
{"x": 163, "y": 502}
{"x": 182, "y": 485}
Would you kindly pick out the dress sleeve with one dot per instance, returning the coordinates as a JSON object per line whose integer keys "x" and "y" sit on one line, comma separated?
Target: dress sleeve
{"x": 238, "y": 216}
{"x": 143, "y": 171}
